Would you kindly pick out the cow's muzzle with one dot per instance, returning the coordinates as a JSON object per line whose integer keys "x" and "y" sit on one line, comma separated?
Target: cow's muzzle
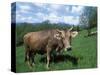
{"x": 69, "y": 49}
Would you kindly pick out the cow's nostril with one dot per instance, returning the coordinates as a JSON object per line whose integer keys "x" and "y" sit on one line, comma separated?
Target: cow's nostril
{"x": 69, "y": 49}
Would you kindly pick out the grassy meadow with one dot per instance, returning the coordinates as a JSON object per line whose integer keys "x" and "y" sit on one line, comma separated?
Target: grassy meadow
{"x": 83, "y": 55}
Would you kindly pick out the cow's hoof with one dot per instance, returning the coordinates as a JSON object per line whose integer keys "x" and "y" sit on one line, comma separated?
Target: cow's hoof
{"x": 31, "y": 68}
{"x": 33, "y": 64}
{"x": 47, "y": 67}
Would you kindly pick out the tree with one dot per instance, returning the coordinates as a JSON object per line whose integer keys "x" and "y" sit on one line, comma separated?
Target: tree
{"x": 89, "y": 18}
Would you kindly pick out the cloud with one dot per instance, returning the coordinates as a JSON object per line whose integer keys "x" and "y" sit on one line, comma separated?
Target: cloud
{"x": 25, "y": 7}
{"x": 20, "y": 18}
{"x": 39, "y": 12}
{"x": 41, "y": 16}
{"x": 30, "y": 18}
{"x": 71, "y": 20}
{"x": 39, "y": 4}
{"x": 55, "y": 6}
{"x": 23, "y": 11}
{"x": 23, "y": 18}
{"x": 53, "y": 18}
{"x": 48, "y": 6}
{"x": 77, "y": 9}
{"x": 67, "y": 9}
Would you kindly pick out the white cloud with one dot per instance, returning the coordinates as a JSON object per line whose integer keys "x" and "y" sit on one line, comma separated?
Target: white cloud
{"x": 53, "y": 18}
{"x": 23, "y": 18}
{"x": 18, "y": 15}
{"x": 51, "y": 10}
{"x": 39, "y": 4}
{"x": 71, "y": 20}
{"x": 25, "y": 7}
{"x": 29, "y": 18}
{"x": 20, "y": 18}
{"x": 77, "y": 9}
{"x": 48, "y": 6}
{"x": 17, "y": 12}
{"x": 52, "y": 15}
{"x": 23, "y": 11}
{"x": 41, "y": 16}
{"x": 55, "y": 6}
{"x": 67, "y": 8}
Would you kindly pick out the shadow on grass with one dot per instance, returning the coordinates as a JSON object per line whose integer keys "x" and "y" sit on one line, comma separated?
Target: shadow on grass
{"x": 62, "y": 58}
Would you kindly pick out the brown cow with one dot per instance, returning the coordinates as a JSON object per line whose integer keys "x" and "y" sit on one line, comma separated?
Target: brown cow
{"x": 45, "y": 41}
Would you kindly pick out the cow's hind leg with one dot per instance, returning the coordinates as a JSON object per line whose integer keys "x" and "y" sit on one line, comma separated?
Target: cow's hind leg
{"x": 27, "y": 57}
{"x": 31, "y": 58}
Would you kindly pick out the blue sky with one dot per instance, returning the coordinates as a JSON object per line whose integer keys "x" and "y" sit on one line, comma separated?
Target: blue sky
{"x": 37, "y": 12}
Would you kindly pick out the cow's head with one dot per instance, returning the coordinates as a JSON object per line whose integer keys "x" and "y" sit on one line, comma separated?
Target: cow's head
{"x": 66, "y": 36}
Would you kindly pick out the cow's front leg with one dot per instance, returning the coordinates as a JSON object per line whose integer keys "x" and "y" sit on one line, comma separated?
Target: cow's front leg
{"x": 48, "y": 57}
{"x": 57, "y": 49}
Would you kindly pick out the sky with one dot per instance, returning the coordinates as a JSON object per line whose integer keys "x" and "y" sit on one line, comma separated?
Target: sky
{"x": 55, "y": 13}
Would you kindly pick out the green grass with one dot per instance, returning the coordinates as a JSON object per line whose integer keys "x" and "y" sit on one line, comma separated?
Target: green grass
{"x": 84, "y": 49}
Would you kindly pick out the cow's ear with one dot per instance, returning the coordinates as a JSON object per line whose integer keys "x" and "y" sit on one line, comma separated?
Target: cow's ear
{"x": 57, "y": 36}
{"x": 74, "y": 34}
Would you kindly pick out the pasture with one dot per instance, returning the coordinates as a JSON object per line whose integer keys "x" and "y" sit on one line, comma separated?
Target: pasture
{"x": 83, "y": 55}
